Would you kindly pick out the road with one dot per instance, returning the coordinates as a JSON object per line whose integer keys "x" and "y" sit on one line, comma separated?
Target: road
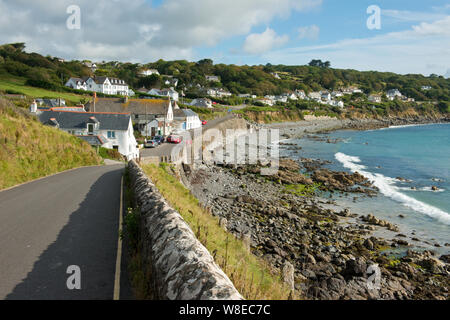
{"x": 69, "y": 219}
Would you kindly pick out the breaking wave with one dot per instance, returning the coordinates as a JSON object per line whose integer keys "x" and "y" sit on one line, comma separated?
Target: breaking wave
{"x": 387, "y": 187}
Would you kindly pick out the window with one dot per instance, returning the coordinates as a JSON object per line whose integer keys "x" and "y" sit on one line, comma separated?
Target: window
{"x": 111, "y": 134}
{"x": 90, "y": 128}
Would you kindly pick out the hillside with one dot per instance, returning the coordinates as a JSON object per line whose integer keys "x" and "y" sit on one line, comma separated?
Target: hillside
{"x": 30, "y": 150}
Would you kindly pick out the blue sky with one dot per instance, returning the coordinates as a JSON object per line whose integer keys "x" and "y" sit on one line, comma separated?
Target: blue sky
{"x": 336, "y": 20}
{"x": 414, "y": 35}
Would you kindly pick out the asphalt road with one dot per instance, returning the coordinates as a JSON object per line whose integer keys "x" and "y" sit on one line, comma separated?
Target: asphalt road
{"x": 69, "y": 219}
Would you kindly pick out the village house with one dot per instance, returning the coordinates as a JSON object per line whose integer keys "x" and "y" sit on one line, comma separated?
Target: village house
{"x": 392, "y": 94}
{"x": 142, "y": 111}
{"x": 217, "y": 92}
{"x": 325, "y": 96}
{"x": 148, "y": 72}
{"x": 105, "y": 85}
{"x": 317, "y": 96}
{"x": 77, "y": 83}
{"x": 375, "y": 98}
{"x": 300, "y": 94}
{"x": 170, "y": 93}
{"x": 426, "y": 88}
{"x": 188, "y": 119}
{"x": 351, "y": 90}
{"x": 107, "y": 130}
{"x": 266, "y": 101}
{"x": 212, "y": 78}
{"x": 202, "y": 103}
{"x": 276, "y": 75}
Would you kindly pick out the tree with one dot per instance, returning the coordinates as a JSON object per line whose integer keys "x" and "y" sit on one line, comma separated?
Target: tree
{"x": 319, "y": 63}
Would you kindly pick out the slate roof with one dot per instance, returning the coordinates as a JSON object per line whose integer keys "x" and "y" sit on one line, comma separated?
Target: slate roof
{"x": 182, "y": 113}
{"x": 133, "y": 106}
{"x": 78, "y": 120}
{"x": 94, "y": 140}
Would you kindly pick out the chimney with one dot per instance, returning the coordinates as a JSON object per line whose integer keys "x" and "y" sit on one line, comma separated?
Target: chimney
{"x": 33, "y": 107}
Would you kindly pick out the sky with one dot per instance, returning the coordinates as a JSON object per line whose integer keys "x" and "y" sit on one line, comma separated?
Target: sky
{"x": 411, "y": 37}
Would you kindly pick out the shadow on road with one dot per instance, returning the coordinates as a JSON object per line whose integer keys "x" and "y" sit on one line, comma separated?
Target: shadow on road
{"x": 88, "y": 240}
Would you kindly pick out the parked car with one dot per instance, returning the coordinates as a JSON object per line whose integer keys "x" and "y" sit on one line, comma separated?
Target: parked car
{"x": 174, "y": 139}
{"x": 159, "y": 139}
{"x": 204, "y": 122}
{"x": 151, "y": 144}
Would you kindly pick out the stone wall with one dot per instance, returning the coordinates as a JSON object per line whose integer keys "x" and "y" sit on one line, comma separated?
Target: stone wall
{"x": 180, "y": 267}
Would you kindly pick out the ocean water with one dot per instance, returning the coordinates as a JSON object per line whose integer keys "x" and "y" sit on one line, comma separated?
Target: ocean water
{"x": 420, "y": 154}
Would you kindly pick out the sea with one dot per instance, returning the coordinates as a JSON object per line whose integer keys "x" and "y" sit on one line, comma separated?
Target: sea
{"x": 418, "y": 154}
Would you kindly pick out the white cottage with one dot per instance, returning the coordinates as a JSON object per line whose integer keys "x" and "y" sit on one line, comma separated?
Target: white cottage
{"x": 108, "y": 130}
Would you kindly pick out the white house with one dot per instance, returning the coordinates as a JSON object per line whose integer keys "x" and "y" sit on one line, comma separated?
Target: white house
{"x": 276, "y": 75}
{"x": 106, "y": 85}
{"x": 300, "y": 94}
{"x": 148, "y": 72}
{"x": 315, "y": 96}
{"x": 376, "y": 98}
{"x": 202, "y": 103}
{"x": 337, "y": 94}
{"x": 426, "y": 88}
{"x": 325, "y": 95}
{"x": 393, "y": 93}
{"x": 108, "y": 130}
{"x": 266, "y": 101}
{"x": 188, "y": 118}
{"x": 212, "y": 78}
{"x": 171, "y": 93}
{"x": 77, "y": 83}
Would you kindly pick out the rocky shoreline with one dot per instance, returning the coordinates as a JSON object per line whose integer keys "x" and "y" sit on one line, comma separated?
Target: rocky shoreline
{"x": 287, "y": 220}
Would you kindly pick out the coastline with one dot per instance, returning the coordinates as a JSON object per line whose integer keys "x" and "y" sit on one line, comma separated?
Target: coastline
{"x": 329, "y": 247}
{"x": 313, "y": 124}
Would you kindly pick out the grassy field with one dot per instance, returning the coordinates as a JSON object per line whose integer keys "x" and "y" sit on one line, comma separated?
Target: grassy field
{"x": 251, "y": 275}
{"x": 30, "y": 150}
{"x": 17, "y": 85}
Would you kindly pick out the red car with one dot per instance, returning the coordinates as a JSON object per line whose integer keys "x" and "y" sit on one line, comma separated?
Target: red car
{"x": 174, "y": 139}
{"x": 204, "y": 122}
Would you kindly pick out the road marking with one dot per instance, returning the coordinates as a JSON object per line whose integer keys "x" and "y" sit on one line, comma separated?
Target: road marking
{"x": 119, "y": 248}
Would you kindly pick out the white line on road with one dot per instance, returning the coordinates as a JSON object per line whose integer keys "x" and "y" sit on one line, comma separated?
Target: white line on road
{"x": 119, "y": 248}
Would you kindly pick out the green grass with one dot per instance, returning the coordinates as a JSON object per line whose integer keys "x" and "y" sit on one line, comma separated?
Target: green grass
{"x": 30, "y": 150}
{"x": 301, "y": 190}
{"x": 252, "y": 277}
{"x": 17, "y": 85}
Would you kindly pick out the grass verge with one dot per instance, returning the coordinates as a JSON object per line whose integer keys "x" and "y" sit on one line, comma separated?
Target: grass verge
{"x": 30, "y": 150}
{"x": 252, "y": 277}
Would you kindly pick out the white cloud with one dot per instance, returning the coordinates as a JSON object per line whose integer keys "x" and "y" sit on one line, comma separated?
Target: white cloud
{"x": 258, "y": 43}
{"x": 309, "y": 32}
{"x": 133, "y": 30}
{"x": 411, "y": 16}
{"x": 424, "y": 48}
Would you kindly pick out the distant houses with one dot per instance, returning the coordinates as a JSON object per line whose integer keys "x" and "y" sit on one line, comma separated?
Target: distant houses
{"x": 217, "y": 92}
{"x": 108, "y": 130}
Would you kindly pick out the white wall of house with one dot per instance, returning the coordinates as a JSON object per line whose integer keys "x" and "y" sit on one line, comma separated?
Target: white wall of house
{"x": 123, "y": 139}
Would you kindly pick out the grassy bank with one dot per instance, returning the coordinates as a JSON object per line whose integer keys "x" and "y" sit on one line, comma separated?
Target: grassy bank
{"x": 16, "y": 85}
{"x": 251, "y": 276}
{"x": 30, "y": 150}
